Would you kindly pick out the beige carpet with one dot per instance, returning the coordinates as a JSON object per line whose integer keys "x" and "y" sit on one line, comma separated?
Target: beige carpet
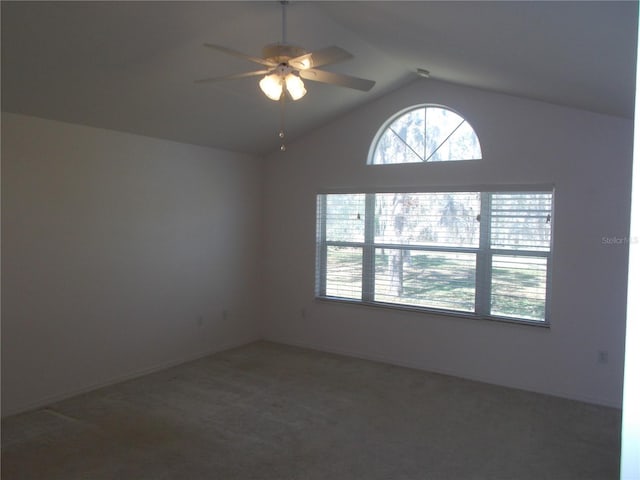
{"x": 268, "y": 411}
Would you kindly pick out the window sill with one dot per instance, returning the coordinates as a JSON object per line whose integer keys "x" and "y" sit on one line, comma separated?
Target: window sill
{"x": 433, "y": 311}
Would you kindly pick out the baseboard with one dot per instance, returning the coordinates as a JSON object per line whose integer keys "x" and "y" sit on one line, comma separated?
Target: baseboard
{"x": 451, "y": 373}
{"x": 285, "y": 341}
{"x": 42, "y": 402}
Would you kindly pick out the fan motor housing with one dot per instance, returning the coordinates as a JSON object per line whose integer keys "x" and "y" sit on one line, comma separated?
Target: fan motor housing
{"x": 281, "y": 52}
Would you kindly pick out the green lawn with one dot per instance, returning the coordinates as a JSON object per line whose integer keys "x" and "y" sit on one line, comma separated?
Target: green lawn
{"x": 440, "y": 280}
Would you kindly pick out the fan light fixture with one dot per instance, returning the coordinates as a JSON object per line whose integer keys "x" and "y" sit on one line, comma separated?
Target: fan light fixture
{"x": 295, "y": 86}
{"x": 284, "y": 65}
{"x": 272, "y": 85}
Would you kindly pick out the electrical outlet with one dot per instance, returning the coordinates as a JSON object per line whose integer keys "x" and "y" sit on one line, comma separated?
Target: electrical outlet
{"x": 603, "y": 357}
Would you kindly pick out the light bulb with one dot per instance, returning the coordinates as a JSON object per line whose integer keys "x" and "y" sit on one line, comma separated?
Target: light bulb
{"x": 271, "y": 85}
{"x": 295, "y": 86}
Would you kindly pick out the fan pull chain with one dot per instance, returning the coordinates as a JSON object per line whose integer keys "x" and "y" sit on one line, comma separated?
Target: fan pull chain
{"x": 281, "y": 133}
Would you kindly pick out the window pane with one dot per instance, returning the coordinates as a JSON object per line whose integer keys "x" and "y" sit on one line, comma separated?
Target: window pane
{"x": 521, "y": 221}
{"x": 345, "y": 217}
{"x": 429, "y": 279}
{"x": 410, "y": 129}
{"x": 429, "y": 219}
{"x": 424, "y": 250}
{"x": 391, "y": 149}
{"x": 344, "y": 272}
{"x": 462, "y": 144}
{"x": 518, "y": 286}
{"x": 440, "y": 125}
{"x": 426, "y": 134}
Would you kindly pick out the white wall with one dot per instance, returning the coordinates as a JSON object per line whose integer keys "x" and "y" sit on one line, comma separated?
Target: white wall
{"x": 113, "y": 246}
{"x": 588, "y": 159}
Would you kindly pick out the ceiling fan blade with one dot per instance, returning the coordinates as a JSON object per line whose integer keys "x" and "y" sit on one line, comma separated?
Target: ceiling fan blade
{"x": 233, "y": 77}
{"x": 235, "y": 53}
{"x": 337, "y": 79}
{"x": 325, "y": 56}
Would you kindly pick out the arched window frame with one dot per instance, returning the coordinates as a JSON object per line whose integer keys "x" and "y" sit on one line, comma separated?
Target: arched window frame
{"x": 387, "y": 125}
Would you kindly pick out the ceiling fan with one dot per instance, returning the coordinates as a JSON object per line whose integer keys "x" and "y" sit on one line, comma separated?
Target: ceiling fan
{"x": 285, "y": 65}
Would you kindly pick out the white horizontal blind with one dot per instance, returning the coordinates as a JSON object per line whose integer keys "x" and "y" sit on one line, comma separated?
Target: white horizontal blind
{"x": 443, "y": 280}
{"x": 410, "y": 231}
{"x": 520, "y": 226}
{"x": 342, "y": 226}
{"x": 344, "y": 272}
{"x": 520, "y": 221}
{"x": 430, "y": 250}
{"x": 427, "y": 219}
{"x": 518, "y": 286}
{"x": 345, "y": 217}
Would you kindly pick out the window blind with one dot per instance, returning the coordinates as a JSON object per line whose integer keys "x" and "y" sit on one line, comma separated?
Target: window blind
{"x": 480, "y": 253}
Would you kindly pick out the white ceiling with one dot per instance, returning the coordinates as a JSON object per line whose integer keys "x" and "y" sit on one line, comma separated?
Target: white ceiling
{"x": 130, "y": 66}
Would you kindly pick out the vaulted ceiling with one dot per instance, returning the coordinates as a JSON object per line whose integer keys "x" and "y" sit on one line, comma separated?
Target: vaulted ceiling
{"x": 130, "y": 66}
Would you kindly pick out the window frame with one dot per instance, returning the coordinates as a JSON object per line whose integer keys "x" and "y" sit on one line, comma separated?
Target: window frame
{"x": 387, "y": 124}
{"x": 484, "y": 254}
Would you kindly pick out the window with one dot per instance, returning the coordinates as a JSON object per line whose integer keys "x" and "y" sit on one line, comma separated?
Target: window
{"x": 426, "y": 133}
{"x": 483, "y": 254}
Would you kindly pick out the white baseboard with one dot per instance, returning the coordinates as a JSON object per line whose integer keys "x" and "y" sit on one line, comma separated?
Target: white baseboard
{"x": 44, "y": 401}
{"x": 41, "y": 402}
{"x": 383, "y": 359}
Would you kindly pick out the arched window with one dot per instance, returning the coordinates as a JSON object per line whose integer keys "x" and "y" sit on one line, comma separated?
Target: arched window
{"x": 425, "y": 133}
